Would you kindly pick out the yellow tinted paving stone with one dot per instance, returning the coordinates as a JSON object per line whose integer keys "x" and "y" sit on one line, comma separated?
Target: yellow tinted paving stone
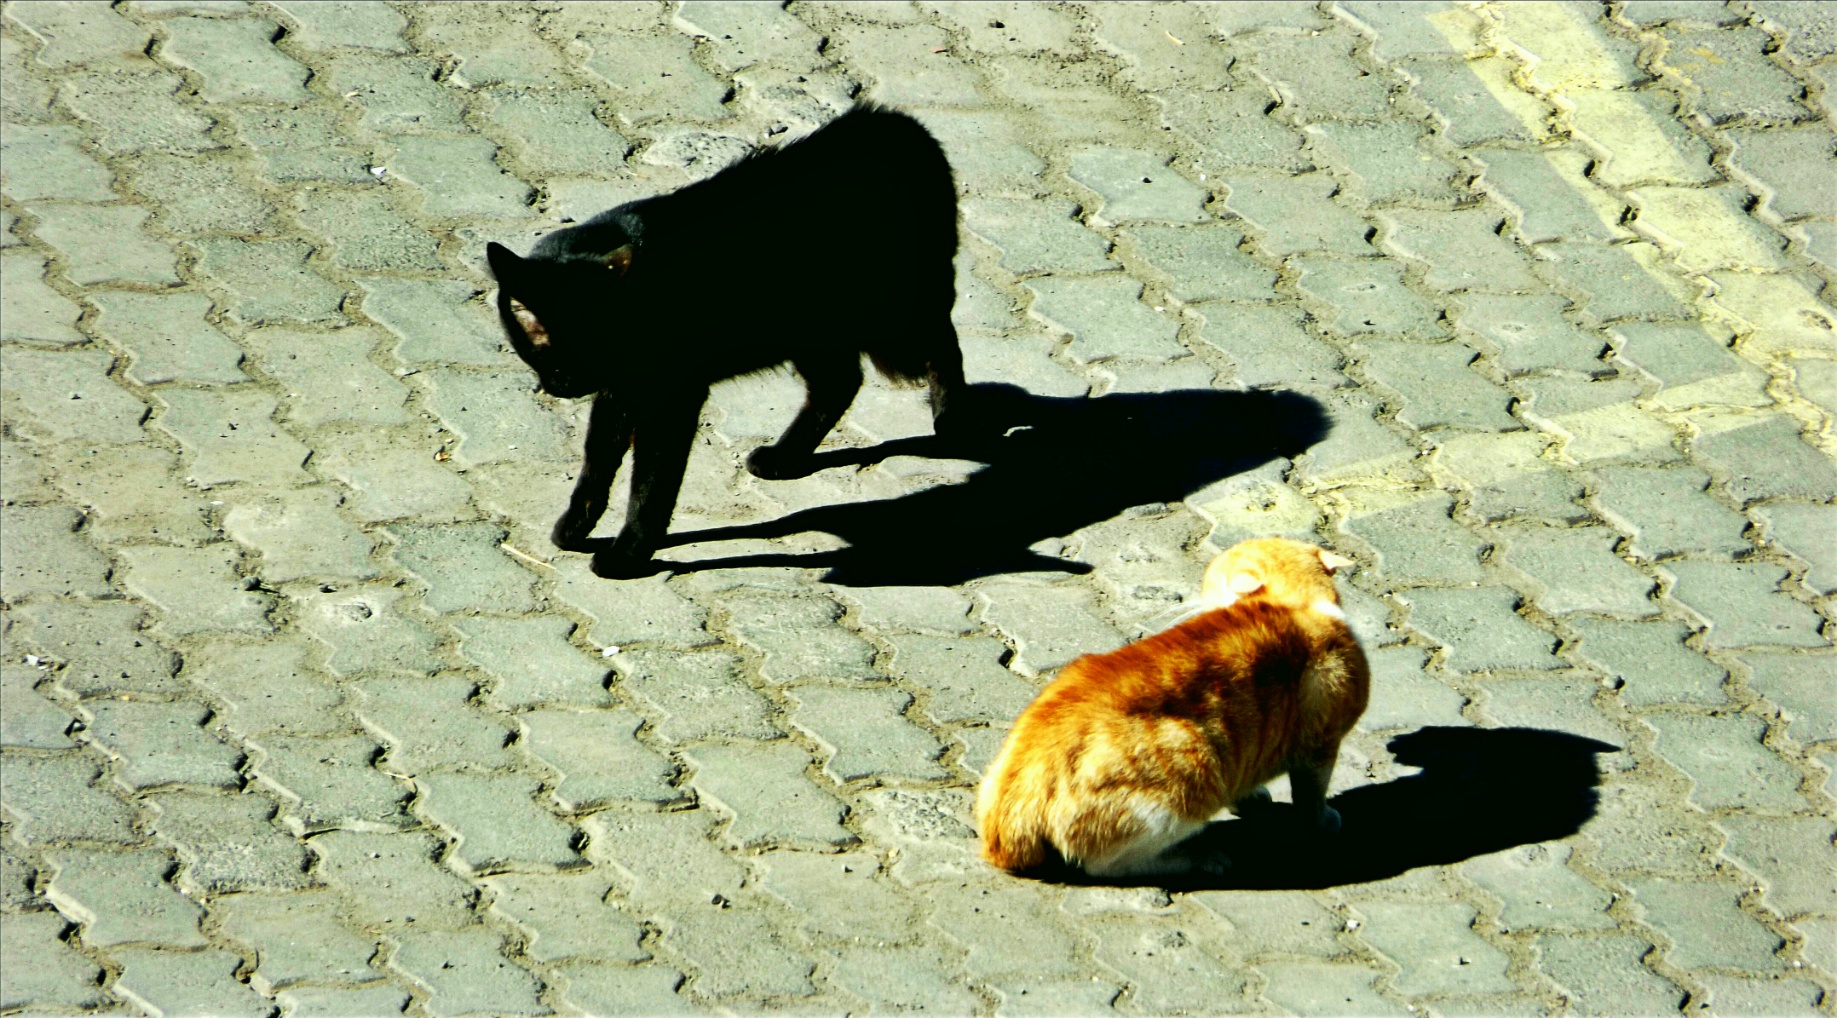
{"x": 1781, "y": 314}
{"x": 1704, "y": 231}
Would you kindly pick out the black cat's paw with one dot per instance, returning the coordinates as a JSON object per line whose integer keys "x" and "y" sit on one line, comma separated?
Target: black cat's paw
{"x": 1328, "y": 822}
{"x": 613, "y": 565}
{"x": 572, "y": 531}
{"x": 770, "y": 463}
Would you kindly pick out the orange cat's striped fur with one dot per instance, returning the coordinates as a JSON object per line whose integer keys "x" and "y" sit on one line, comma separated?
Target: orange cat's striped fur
{"x": 1126, "y": 754}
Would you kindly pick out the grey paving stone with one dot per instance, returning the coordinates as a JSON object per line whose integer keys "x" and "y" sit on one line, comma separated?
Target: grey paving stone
{"x": 230, "y": 843}
{"x": 1604, "y": 975}
{"x": 1326, "y": 988}
{"x": 1106, "y": 318}
{"x": 459, "y": 177}
{"x": 1558, "y": 703}
{"x": 1668, "y": 512}
{"x": 497, "y": 819}
{"x": 134, "y": 495}
{"x": 393, "y": 475}
{"x": 1137, "y": 186}
{"x": 46, "y": 555}
{"x": 328, "y": 376}
{"x": 1742, "y": 604}
{"x": 235, "y": 59}
{"x": 1734, "y": 80}
{"x": 467, "y": 972}
{"x": 340, "y": 23}
{"x": 1614, "y": 284}
{"x": 429, "y": 723}
{"x": 739, "y": 952}
{"x": 1296, "y": 214}
{"x": 135, "y": 112}
{"x": 1704, "y": 923}
{"x": 632, "y": 611}
{"x": 1674, "y": 216}
{"x": 532, "y": 662}
{"x": 267, "y": 687}
{"x": 162, "y": 744}
{"x": 568, "y": 915}
{"x": 963, "y": 677}
{"x": 269, "y": 280}
{"x": 1024, "y": 995}
{"x": 1203, "y": 263}
{"x": 1386, "y": 162}
{"x": 1368, "y": 296}
{"x": 1468, "y": 250}
{"x": 1037, "y": 236}
{"x": 1024, "y": 27}
{"x": 1049, "y": 625}
{"x": 123, "y": 898}
{"x": 557, "y": 133}
{"x": 1575, "y": 569}
{"x": 16, "y": 881}
{"x": 31, "y": 720}
{"x": 296, "y": 938}
{"x": 338, "y": 1002}
{"x": 391, "y": 881}
{"x": 1650, "y": 661}
{"x": 1726, "y": 760}
{"x": 105, "y": 244}
{"x": 300, "y": 143}
{"x": 608, "y": 989}
{"x": 1010, "y": 930}
{"x": 800, "y": 636}
{"x": 1675, "y": 354}
{"x": 906, "y": 66}
{"x": 23, "y": 476}
{"x": 302, "y": 535}
{"x": 27, "y": 97}
{"x": 1472, "y": 114}
{"x": 55, "y": 800}
{"x": 840, "y": 896}
{"x": 1171, "y": 969}
{"x": 499, "y": 48}
{"x": 175, "y": 983}
{"x": 43, "y": 972}
{"x": 1788, "y": 164}
{"x": 1508, "y": 477}
{"x": 83, "y": 36}
{"x": 1480, "y": 628}
{"x": 34, "y": 310}
{"x": 55, "y": 396}
{"x": 1625, "y": 837}
{"x": 1800, "y": 684}
{"x": 463, "y": 566}
{"x": 598, "y": 756}
{"x": 1768, "y": 460}
{"x": 1398, "y": 30}
{"x": 1735, "y": 995}
{"x": 49, "y": 162}
{"x": 763, "y": 787}
{"x": 1418, "y": 542}
{"x": 903, "y": 978}
{"x": 197, "y": 590}
{"x": 1152, "y": 43}
{"x": 1402, "y": 696}
{"x": 930, "y": 829}
{"x": 1358, "y": 444}
{"x": 866, "y": 733}
{"x": 496, "y": 417}
{"x": 1540, "y": 891}
{"x": 1438, "y": 386}
{"x": 396, "y": 93}
{"x": 666, "y": 859}
{"x": 636, "y": 74}
{"x": 1232, "y": 128}
{"x": 988, "y": 151}
{"x": 1790, "y": 855}
{"x": 698, "y": 695}
{"x": 366, "y": 232}
{"x": 741, "y": 36}
{"x": 911, "y": 609}
{"x": 169, "y": 338}
{"x": 330, "y": 782}
{"x": 1809, "y": 533}
{"x": 1269, "y": 346}
{"x": 1436, "y": 946}
{"x": 1318, "y": 79}
{"x": 1528, "y": 333}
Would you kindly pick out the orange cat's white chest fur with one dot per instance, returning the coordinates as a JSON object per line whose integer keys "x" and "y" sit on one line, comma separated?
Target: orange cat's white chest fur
{"x": 1126, "y": 754}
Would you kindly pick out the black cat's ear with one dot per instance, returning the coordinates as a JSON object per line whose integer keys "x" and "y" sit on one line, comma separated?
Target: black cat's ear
{"x": 503, "y": 261}
{"x": 620, "y": 259}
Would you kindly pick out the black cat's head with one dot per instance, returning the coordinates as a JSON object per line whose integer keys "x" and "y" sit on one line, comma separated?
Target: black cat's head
{"x": 551, "y": 304}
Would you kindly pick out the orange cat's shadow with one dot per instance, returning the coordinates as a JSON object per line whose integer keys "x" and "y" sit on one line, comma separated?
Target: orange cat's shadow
{"x": 1481, "y": 790}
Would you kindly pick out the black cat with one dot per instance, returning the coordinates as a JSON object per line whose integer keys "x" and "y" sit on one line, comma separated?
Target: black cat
{"x": 836, "y": 245}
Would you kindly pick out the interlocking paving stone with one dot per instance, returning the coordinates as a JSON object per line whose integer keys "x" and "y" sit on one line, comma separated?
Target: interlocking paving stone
{"x": 634, "y": 611}
{"x": 48, "y": 162}
{"x": 636, "y": 75}
{"x": 1736, "y": 995}
{"x": 531, "y": 661}
{"x": 1733, "y": 79}
{"x": 339, "y": 1002}
{"x": 43, "y": 971}
{"x": 895, "y": 978}
{"x": 429, "y": 723}
{"x": 162, "y": 744}
{"x": 467, "y": 972}
{"x": 1790, "y": 856}
{"x": 1386, "y": 162}
{"x": 105, "y": 244}
{"x": 133, "y": 494}
{"x": 1528, "y": 333}
{"x": 1668, "y": 512}
{"x": 56, "y": 799}
{"x": 1675, "y": 354}
{"x": 1704, "y": 923}
{"x": 1540, "y": 891}
{"x": 267, "y": 687}
{"x": 1510, "y": 478}
{"x": 196, "y": 590}
{"x": 396, "y": 94}
{"x": 303, "y": 535}
{"x": 1613, "y": 281}
{"x": 491, "y": 48}
{"x": 394, "y": 475}
{"x": 459, "y": 177}
{"x": 698, "y": 695}
{"x": 664, "y": 859}
{"x": 911, "y": 609}
{"x": 1402, "y": 696}
{"x": 1037, "y": 236}
{"x": 201, "y": 194}
{"x": 135, "y": 112}
{"x": 1800, "y": 685}
{"x": 1426, "y": 544}
{"x": 1312, "y": 987}
{"x": 497, "y": 820}
{"x": 1725, "y": 759}
{"x": 46, "y": 555}
{"x": 867, "y": 733}
{"x": 296, "y": 938}
{"x": 1438, "y": 385}
{"x": 738, "y": 951}
{"x": 963, "y": 677}
{"x": 463, "y": 566}
{"x": 1203, "y": 263}
{"x": 1233, "y": 128}
{"x": 598, "y": 756}
{"x": 269, "y": 280}
{"x": 1575, "y": 569}
{"x": 296, "y": 144}
{"x": 1170, "y": 970}
{"x": 610, "y": 989}
{"x": 35, "y": 311}
{"x": 392, "y": 880}
{"x": 59, "y": 396}
{"x": 1028, "y": 996}
{"x": 1050, "y": 625}
{"x": 569, "y": 915}
{"x": 1768, "y": 460}
{"x": 31, "y": 720}
{"x": 1650, "y": 661}
{"x": 1296, "y": 214}
{"x": 230, "y": 844}
{"x": 1743, "y": 605}
{"x": 1368, "y": 296}
{"x": 1138, "y": 186}
{"x": 172, "y": 982}
{"x": 169, "y": 338}
{"x": 1324, "y": 84}
{"x": 83, "y": 36}
{"x": 496, "y": 417}
{"x": 235, "y": 59}
{"x": 1604, "y": 975}
{"x": 1809, "y": 533}
{"x": 840, "y": 896}
{"x": 763, "y": 787}
{"x": 230, "y": 435}
{"x": 345, "y": 23}
{"x": 1437, "y": 947}
{"x": 1480, "y": 628}
{"x": 1464, "y": 250}
{"x": 558, "y": 133}
{"x": 1788, "y": 164}
{"x": 330, "y": 782}
{"x": 366, "y": 232}
{"x": 799, "y": 636}
{"x": 123, "y": 898}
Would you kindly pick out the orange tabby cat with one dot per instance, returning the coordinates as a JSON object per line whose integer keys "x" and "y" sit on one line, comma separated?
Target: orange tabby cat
{"x": 1126, "y": 754}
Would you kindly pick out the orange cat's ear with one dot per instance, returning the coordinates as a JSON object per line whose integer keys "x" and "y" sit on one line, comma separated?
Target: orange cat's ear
{"x": 1244, "y": 584}
{"x": 1333, "y": 563}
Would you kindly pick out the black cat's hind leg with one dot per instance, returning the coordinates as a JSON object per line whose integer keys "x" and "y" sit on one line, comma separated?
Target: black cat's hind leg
{"x": 1308, "y": 780}
{"x": 831, "y": 384}
{"x": 664, "y": 434}
{"x": 609, "y": 434}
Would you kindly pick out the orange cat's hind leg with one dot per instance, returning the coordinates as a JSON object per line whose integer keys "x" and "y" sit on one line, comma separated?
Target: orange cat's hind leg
{"x": 1145, "y": 852}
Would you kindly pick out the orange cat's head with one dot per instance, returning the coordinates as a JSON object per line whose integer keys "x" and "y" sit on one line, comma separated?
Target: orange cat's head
{"x": 1275, "y": 569}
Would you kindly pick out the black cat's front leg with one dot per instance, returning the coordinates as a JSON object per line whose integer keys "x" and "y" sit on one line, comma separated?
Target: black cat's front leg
{"x": 664, "y": 435}
{"x": 832, "y": 384}
{"x": 609, "y": 434}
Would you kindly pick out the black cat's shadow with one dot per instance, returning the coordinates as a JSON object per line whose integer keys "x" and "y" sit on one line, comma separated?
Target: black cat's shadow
{"x": 1481, "y": 790}
{"x": 1054, "y": 465}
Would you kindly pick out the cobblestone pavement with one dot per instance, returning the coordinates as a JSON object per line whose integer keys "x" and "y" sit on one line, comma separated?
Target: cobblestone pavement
{"x": 303, "y": 714}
